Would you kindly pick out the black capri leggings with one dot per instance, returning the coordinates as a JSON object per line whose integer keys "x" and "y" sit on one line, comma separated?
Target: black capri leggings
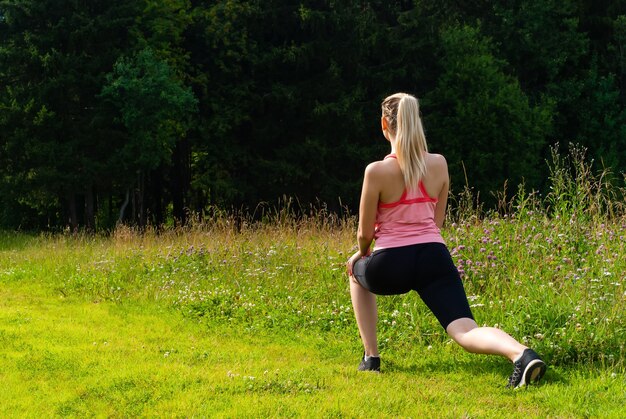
{"x": 426, "y": 268}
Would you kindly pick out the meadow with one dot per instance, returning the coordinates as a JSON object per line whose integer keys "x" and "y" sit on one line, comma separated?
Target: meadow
{"x": 252, "y": 318}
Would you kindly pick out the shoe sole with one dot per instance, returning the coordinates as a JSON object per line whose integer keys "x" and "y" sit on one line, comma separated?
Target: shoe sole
{"x": 533, "y": 372}
{"x": 369, "y": 369}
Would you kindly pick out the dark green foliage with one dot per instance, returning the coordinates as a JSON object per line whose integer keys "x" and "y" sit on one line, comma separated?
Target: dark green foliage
{"x": 480, "y": 118}
{"x": 53, "y": 56}
{"x": 144, "y": 111}
{"x": 152, "y": 107}
{"x": 154, "y": 110}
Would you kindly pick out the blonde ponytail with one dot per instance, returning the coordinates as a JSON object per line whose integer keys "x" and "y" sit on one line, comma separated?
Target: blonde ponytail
{"x": 402, "y": 111}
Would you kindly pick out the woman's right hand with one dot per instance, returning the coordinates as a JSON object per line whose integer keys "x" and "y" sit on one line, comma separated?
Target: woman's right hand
{"x": 353, "y": 259}
{"x": 350, "y": 263}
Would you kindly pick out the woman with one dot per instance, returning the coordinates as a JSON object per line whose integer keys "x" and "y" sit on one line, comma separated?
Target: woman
{"x": 403, "y": 205}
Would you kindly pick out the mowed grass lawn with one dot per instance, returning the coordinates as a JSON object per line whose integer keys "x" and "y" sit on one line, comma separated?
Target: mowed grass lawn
{"x": 214, "y": 321}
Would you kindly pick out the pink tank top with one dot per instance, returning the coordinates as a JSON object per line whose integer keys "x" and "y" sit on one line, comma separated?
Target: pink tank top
{"x": 410, "y": 220}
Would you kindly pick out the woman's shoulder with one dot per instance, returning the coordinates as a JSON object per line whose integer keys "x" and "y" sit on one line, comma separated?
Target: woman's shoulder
{"x": 437, "y": 166}
{"x": 438, "y": 158}
{"x": 381, "y": 166}
{"x": 436, "y": 161}
{"x": 382, "y": 170}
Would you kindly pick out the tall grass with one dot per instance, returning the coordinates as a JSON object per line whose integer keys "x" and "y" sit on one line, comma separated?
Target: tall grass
{"x": 549, "y": 270}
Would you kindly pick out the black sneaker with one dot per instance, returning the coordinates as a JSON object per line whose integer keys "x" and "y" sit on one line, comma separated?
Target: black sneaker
{"x": 528, "y": 369}
{"x": 372, "y": 364}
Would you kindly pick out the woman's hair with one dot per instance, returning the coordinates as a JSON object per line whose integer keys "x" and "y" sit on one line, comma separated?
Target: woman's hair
{"x": 403, "y": 115}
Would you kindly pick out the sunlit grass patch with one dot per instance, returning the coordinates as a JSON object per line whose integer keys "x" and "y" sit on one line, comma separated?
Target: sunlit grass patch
{"x": 242, "y": 317}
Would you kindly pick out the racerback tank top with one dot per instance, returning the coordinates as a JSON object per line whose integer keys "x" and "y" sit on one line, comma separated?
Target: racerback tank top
{"x": 409, "y": 220}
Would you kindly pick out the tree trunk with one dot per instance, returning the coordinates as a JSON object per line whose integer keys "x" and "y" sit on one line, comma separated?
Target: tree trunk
{"x": 120, "y": 219}
{"x": 180, "y": 179}
{"x": 110, "y": 217}
{"x": 90, "y": 218}
{"x": 133, "y": 216}
{"x": 140, "y": 199}
{"x": 157, "y": 195}
{"x": 72, "y": 212}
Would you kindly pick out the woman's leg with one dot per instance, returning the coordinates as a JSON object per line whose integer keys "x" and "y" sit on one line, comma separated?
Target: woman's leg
{"x": 484, "y": 340}
{"x": 365, "y": 311}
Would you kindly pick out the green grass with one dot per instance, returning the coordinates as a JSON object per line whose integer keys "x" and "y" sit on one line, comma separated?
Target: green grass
{"x": 258, "y": 323}
{"x": 79, "y": 358}
{"x": 254, "y": 319}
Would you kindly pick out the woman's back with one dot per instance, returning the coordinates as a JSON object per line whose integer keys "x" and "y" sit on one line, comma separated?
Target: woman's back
{"x": 408, "y": 216}
{"x": 392, "y": 179}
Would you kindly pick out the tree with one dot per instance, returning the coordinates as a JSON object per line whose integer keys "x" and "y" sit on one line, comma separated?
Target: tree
{"x": 94, "y": 103}
{"x": 481, "y": 117}
{"x": 290, "y": 92}
{"x": 154, "y": 109}
{"x": 53, "y": 57}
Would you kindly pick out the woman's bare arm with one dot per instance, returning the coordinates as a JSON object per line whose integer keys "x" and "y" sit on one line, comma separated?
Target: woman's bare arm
{"x": 367, "y": 208}
{"x": 442, "y": 198}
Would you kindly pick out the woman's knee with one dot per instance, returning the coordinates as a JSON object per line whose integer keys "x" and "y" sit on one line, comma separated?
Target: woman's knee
{"x": 459, "y": 327}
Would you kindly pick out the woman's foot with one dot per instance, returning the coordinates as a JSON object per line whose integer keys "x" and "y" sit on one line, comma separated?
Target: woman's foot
{"x": 370, "y": 363}
{"x": 529, "y": 368}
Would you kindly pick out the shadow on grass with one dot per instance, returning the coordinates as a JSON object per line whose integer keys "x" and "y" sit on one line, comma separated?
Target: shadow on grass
{"x": 477, "y": 364}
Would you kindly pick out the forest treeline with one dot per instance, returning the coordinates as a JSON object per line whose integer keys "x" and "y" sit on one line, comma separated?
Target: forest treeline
{"x": 146, "y": 111}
